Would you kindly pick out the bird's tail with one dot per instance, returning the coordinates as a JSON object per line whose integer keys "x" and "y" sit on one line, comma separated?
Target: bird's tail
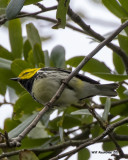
{"x": 107, "y": 89}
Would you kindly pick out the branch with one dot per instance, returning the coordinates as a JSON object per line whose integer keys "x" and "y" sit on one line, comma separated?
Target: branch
{"x": 63, "y": 145}
{"x": 99, "y": 37}
{"x": 24, "y": 14}
{"x": 2, "y": 103}
{"x": 113, "y": 104}
{"x": 101, "y": 106}
{"x": 15, "y": 141}
{"x": 109, "y": 129}
{"x": 43, "y": 9}
{"x": 55, "y": 21}
{"x": 104, "y": 126}
{"x": 117, "y": 137}
{"x": 87, "y": 29}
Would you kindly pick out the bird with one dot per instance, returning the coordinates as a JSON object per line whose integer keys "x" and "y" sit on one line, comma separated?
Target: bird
{"x": 43, "y": 83}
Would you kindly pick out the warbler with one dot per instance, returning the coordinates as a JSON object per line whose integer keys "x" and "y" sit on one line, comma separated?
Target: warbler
{"x": 42, "y": 84}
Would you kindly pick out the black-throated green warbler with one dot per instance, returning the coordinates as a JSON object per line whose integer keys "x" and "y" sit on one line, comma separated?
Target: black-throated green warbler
{"x": 42, "y": 84}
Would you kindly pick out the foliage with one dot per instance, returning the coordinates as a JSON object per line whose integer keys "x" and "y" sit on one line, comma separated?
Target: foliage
{"x": 28, "y": 53}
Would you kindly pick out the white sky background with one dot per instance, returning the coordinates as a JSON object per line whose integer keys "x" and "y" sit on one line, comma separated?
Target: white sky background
{"x": 74, "y": 43}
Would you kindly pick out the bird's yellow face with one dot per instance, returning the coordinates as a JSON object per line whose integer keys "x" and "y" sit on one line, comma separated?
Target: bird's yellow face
{"x": 28, "y": 73}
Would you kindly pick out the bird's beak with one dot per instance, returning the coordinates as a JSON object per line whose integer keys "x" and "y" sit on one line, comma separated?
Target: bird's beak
{"x": 14, "y": 79}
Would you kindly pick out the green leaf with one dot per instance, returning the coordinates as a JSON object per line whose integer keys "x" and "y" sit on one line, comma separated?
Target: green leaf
{"x": 61, "y": 13}
{"x": 27, "y": 155}
{"x": 86, "y": 119}
{"x": 33, "y": 143}
{"x": 38, "y": 55}
{"x": 5, "y": 75}
{"x": 5, "y": 63}
{"x": 4, "y": 53}
{"x": 16, "y": 131}
{"x": 38, "y": 132}
{"x": 118, "y": 63}
{"x": 33, "y": 35}
{"x": 108, "y": 146}
{"x": 122, "y": 130}
{"x": 14, "y": 8}
{"x": 46, "y": 155}
{"x": 126, "y": 92}
{"x": 61, "y": 133}
{"x": 81, "y": 112}
{"x": 30, "y": 59}
{"x": 3, "y": 3}
{"x": 111, "y": 77}
{"x": 83, "y": 154}
{"x": 26, "y": 49}
{"x": 15, "y": 36}
{"x": 58, "y": 57}
{"x": 19, "y": 65}
{"x": 95, "y": 130}
{"x": 10, "y": 124}
{"x": 12, "y": 95}
{"x": 124, "y": 4}
{"x": 120, "y": 110}
{"x": 25, "y": 104}
{"x": 123, "y": 41}
{"x": 46, "y": 59}
{"x": 92, "y": 66}
{"x": 27, "y": 2}
{"x": 67, "y": 123}
{"x": 106, "y": 109}
{"x": 2, "y": 11}
{"x": 120, "y": 91}
{"x": 126, "y": 28}
{"x": 2, "y": 88}
{"x": 115, "y": 8}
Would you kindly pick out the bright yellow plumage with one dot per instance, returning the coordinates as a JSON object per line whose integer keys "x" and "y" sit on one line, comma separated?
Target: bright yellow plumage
{"x": 28, "y": 73}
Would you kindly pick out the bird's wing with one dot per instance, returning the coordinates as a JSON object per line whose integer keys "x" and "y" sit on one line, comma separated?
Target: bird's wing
{"x": 80, "y": 76}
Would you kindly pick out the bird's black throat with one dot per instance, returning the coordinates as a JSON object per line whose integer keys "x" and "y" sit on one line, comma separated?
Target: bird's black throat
{"x": 27, "y": 83}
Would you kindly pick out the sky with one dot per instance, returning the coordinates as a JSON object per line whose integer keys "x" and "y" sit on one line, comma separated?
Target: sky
{"x": 74, "y": 43}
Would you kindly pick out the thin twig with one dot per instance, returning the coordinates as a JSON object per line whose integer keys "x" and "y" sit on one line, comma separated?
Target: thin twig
{"x": 7, "y": 139}
{"x": 104, "y": 126}
{"x": 109, "y": 129}
{"x": 43, "y": 9}
{"x": 2, "y": 103}
{"x": 25, "y": 14}
{"x": 64, "y": 145}
{"x": 101, "y": 106}
{"x": 113, "y": 104}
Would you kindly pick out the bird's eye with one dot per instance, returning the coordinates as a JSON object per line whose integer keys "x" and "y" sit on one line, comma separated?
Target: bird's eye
{"x": 25, "y": 73}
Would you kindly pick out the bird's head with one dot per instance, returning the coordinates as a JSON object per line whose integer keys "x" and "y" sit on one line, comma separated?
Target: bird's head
{"x": 26, "y": 74}
{"x": 26, "y": 78}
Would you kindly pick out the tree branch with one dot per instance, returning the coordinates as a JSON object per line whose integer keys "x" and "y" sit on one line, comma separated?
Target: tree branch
{"x": 43, "y": 9}
{"x": 63, "y": 145}
{"x": 101, "y": 106}
{"x": 104, "y": 126}
{"x": 113, "y": 104}
{"x": 15, "y": 141}
{"x": 87, "y": 29}
{"x": 24, "y": 14}
{"x": 99, "y": 37}
{"x": 109, "y": 129}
